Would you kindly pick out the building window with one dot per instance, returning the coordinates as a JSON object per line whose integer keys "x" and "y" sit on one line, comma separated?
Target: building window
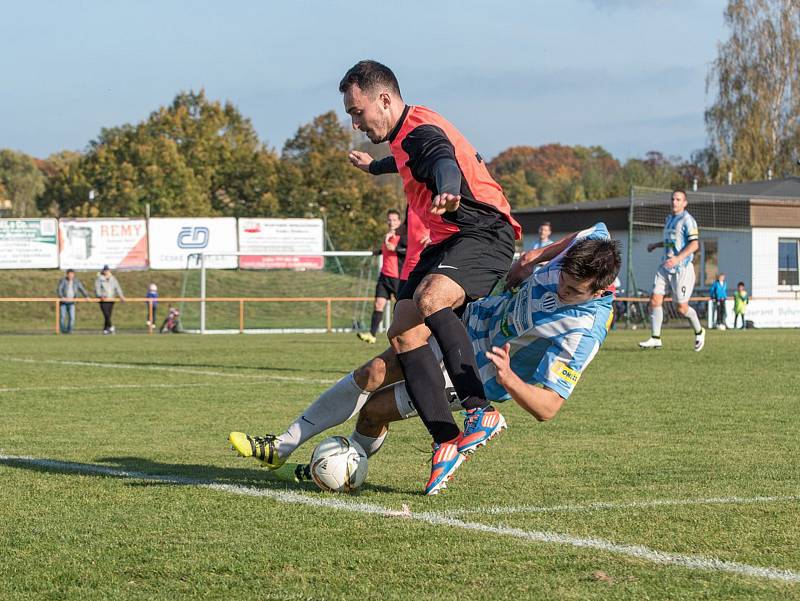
{"x": 788, "y": 274}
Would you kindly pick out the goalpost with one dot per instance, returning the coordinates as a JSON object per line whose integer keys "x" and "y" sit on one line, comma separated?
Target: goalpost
{"x": 276, "y": 290}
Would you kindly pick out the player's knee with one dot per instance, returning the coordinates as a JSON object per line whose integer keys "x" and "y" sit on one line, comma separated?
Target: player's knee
{"x": 370, "y": 375}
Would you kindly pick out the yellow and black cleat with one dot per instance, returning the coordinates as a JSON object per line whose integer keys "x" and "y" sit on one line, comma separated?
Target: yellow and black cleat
{"x": 262, "y": 448}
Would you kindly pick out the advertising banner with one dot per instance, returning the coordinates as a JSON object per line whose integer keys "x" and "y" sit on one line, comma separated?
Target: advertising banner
{"x": 768, "y": 313}
{"x": 89, "y": 244}
{"x": 174, "y": 239}
{"x": 28, "y": 244}
{"x": 301, "y": 239}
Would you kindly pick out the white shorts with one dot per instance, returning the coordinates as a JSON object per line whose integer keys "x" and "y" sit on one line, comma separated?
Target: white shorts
{"x": 403, "y": 400}
{"x": 681, "y": 283}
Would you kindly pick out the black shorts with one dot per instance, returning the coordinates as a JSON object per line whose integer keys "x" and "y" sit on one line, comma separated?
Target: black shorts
{"x": 474, "y": 259}
{"x": 387, "y": 287}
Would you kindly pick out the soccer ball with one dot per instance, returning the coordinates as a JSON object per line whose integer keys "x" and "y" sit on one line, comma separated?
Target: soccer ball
{"x": 339, "y": 465}
{"x": 722, "y": 327}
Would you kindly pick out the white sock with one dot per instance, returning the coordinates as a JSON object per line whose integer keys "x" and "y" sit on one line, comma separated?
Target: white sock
{"x": 369, "y": 444}
{"x": 691, "y": 315}
{"x": 333, "y": 407}
{"x": 657, "y": 317}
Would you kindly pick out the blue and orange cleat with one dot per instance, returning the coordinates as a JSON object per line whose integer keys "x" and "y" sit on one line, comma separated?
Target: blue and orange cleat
{"x": 480, "y": 426}
{"x": 445, "y": 461}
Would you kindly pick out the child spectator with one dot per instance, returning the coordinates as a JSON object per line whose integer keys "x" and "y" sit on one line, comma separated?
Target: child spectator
{"x": 740, "y": 302}
{"x": 718, "y": 294}
{"x": 152, "y": 292}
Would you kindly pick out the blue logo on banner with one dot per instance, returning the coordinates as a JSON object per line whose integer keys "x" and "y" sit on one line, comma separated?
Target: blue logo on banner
{"x": 193, "y": 237}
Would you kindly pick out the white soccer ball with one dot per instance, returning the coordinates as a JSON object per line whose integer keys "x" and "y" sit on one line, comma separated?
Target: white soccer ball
{"x": 722, "y": 327}
{"x": 339, "y": 464}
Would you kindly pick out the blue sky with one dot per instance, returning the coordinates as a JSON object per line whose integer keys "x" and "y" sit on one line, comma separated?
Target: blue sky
{"x": 625, "y": 74}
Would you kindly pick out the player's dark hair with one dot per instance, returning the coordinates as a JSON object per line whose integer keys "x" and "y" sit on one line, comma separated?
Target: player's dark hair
{"x": 70, "y": 270}
{"x": 393, "y": 212}
{"x": 369, "y": 76}
{"x": 595, "y": 260}
{"x": 682, "y": 191}
{"x": 740, "y": 284}
{"x": 546, "y": 223}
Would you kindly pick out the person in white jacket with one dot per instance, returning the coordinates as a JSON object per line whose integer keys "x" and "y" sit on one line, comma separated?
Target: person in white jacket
{"x": 107, "y": 289}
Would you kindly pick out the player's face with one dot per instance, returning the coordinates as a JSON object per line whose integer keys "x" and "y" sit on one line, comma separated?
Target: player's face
{"x": 544, "y": 232}
{"x": 370, "y": 115}
{"x": 679, "y": 202}
{"x": 393, "y": 221}
{"x": 572, "y": 291}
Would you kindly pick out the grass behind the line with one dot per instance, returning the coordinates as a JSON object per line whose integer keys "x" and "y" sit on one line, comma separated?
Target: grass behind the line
{"x": 641, "y": 426}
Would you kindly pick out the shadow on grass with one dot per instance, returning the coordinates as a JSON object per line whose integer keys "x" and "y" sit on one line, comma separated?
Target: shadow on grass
{"x": 147, "y": 472}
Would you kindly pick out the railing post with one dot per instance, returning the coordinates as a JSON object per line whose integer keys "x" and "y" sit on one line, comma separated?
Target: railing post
{"x": 150, "y": 316}
{"x": 58, "y": 317}
{"x": 241, "y": 316}
{"x": 329, "y": 317}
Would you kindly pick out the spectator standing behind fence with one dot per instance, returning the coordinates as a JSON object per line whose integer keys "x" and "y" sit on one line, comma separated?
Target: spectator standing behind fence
{"x": 106, "y": 288}
{"x": 545, "y": 229}
{"x": 152, "y": 292}
{"x": 740, "y": 301}
{"x": 69, "y": 287}
{"x": 718, "y": 294}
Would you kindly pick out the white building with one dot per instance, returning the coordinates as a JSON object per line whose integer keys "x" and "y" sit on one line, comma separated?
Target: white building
{"x": 750, "y": 232}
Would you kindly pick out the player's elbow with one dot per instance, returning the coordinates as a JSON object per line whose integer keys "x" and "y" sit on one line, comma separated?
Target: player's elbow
{"x": 545, "y": 415}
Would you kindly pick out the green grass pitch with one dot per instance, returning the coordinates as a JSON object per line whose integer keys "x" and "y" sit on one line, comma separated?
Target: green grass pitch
{"x": 668, "y": 475}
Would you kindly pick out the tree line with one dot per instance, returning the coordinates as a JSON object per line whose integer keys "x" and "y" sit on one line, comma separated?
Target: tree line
{"x": 199, "y": 156}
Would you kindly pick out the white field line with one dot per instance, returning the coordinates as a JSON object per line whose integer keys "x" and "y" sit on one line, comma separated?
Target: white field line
{"x": 694, "y": 562}
{"x": 178, "y": 370}
{"x": 602, "y": 505}
{"x": 99, "y": 387}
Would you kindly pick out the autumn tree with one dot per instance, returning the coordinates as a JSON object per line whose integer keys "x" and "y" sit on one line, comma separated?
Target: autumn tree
{"x": 317, "y": 180}
{"x": 194, "y": 157}
{"x": 754, "y": 121}
{"x": 21, "y": 183}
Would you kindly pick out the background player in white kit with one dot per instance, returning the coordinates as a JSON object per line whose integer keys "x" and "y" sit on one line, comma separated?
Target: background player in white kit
{"x": 676, "y": 273}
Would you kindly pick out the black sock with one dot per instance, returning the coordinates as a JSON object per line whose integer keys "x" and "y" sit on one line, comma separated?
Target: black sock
{"x": 377, "y": 316}
{"x": 459, "y": 357}
{"x": 425, "y": 385}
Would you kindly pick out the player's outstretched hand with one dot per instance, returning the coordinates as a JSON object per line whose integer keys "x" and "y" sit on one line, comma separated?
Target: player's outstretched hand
{"x": 501, "y": 357}
{"x": 517, "y": 274}
{"x": 360, "y": 159}
{"x": 445, "y": 203}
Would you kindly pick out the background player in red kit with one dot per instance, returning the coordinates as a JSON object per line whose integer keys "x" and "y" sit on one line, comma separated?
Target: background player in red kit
{"x": 448, "y": 186}
{"x": 393, "y": 251}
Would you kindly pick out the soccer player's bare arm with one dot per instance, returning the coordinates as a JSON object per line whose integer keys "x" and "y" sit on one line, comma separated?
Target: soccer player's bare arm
{"x": 690, "y": 248}
{"x": 542, "y": 403}
{"x": 523, "y": 267}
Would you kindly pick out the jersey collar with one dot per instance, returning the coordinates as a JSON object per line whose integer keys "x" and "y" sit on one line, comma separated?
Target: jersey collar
{"x": 396, "y": 129}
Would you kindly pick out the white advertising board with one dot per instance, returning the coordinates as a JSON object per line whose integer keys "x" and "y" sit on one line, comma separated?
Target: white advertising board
{"x": 174, "y": 239}
{"x": 28, "y": 243}
{"x": 266, "y": 239}
{"x": 89, "y": 244}
{"x": 768, "y": 313}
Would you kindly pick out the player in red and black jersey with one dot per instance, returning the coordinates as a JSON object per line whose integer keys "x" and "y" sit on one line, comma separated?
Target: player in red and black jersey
{"x": 393, "y": 251}
{"x": 448, "y": 186}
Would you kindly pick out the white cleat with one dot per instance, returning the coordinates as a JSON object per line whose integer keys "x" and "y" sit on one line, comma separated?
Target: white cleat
{"x": 700, "y": 340}
{"x": 651, "y": 343}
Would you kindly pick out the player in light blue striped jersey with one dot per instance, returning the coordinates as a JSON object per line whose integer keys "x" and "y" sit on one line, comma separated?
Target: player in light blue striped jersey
{"x": 676, "y": 272}
{"x": 532, "y": 344}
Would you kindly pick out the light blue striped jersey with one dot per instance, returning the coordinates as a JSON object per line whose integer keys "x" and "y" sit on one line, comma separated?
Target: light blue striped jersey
{"x": 679, "y": 230}
{"x": 551, "y": 343}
